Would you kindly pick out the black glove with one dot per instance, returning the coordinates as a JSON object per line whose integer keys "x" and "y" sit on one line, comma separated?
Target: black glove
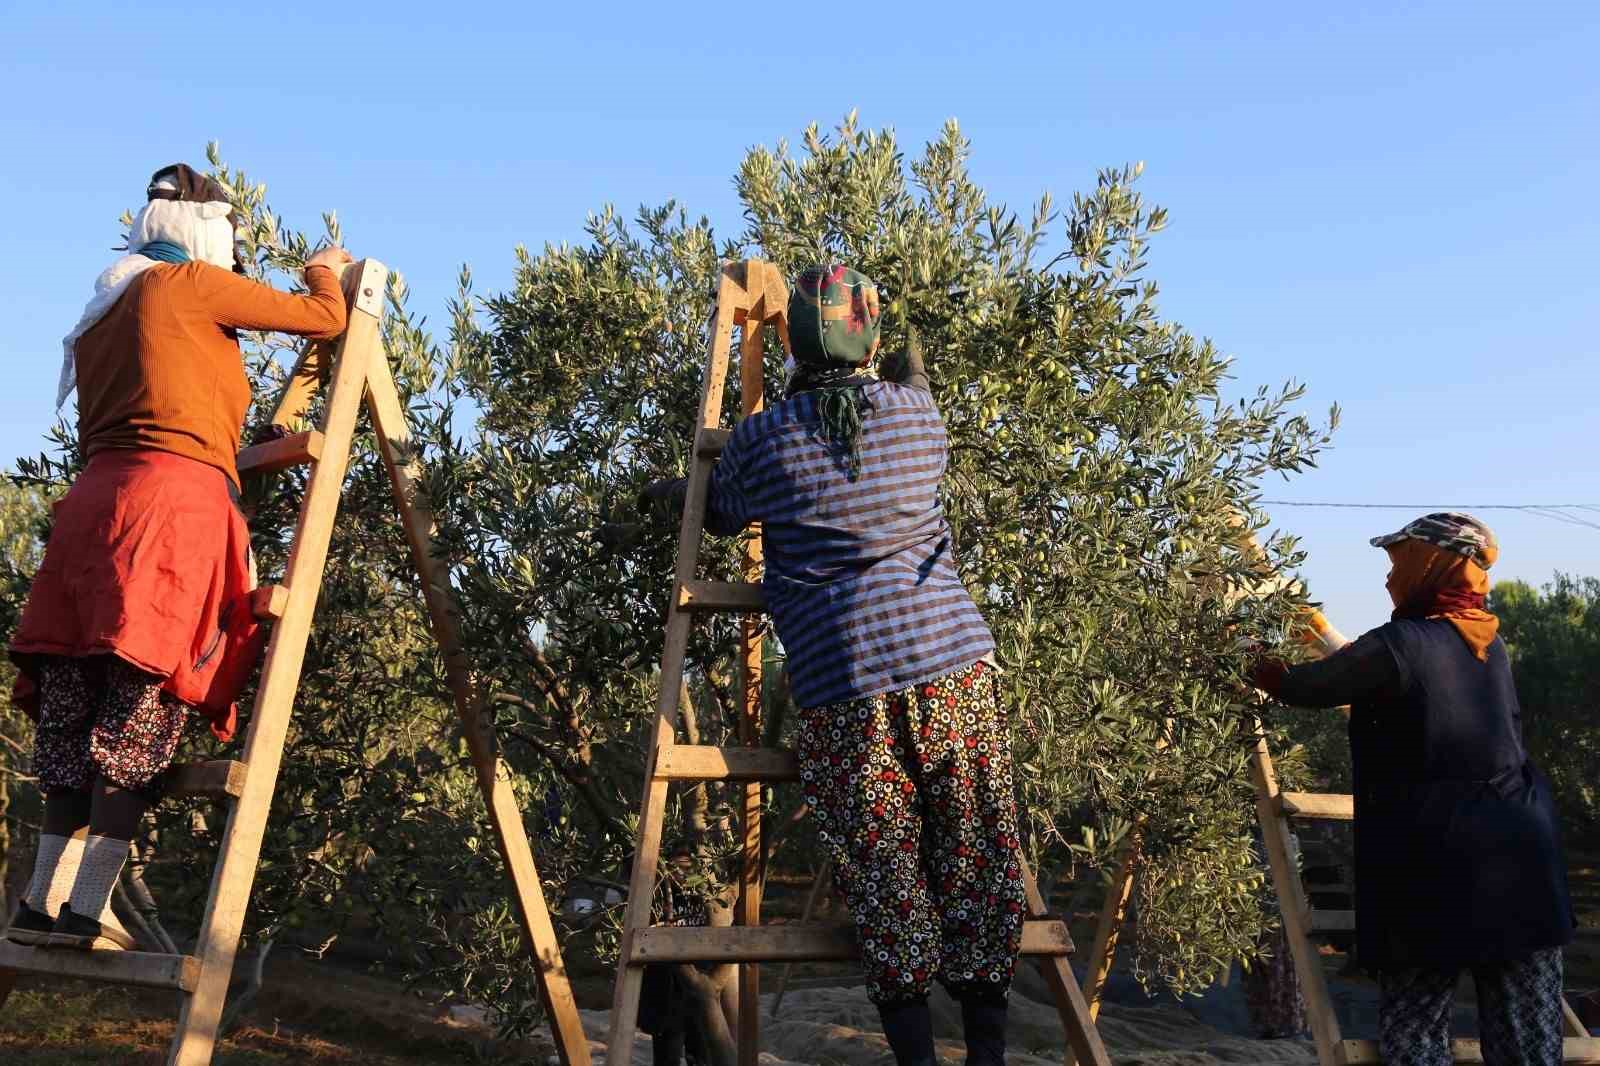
{"x": 268, "y": 433}
{"x": 663, "y": 497}
{"x": 906, "y": 367}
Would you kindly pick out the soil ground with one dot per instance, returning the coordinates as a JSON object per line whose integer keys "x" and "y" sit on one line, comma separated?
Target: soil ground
{"x": 330, "y": 1015}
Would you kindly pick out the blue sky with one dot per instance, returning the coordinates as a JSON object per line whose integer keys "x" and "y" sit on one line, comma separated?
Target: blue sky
{"x": 1393, "y": 206}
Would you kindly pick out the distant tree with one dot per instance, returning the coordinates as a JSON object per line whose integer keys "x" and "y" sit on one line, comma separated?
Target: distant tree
{"x": 1553, "y": 635}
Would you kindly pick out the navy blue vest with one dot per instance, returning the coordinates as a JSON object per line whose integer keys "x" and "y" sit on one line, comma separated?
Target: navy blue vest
{"x": 1458, "y": 851}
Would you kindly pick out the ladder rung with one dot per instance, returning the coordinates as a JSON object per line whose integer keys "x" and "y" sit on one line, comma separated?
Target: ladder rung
{"x": 744, "y": 597}
{"x": 144, "y": 968}
{"x": 218, "y": 779}
{"x": 702, "y": 762}
{"x": 1332, "y": 806}
{"x": 293, "y": 450}
{"x": 268, "y": 601}
{"x": 797, "y": 943}
{"x": 710, "y": 442}
{"x": 1365, "y": 1052}
{"x": 1326, "y": 921}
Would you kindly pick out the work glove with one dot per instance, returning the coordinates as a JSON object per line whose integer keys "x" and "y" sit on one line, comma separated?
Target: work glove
{"x": 906, "y": 367}
{"x": 268, "y": 433}
{"x": 663, "y": 499}
{"x": 1267, "y": 673}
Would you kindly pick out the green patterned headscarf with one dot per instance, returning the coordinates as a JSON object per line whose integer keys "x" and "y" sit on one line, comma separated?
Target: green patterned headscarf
{"x": 834, "y": 319}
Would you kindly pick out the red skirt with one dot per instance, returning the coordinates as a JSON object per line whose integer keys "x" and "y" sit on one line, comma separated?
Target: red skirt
{"x": 148, "y": 560}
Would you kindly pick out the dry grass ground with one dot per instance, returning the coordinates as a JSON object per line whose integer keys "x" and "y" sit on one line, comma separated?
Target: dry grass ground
{"x": 307, "y": 1013}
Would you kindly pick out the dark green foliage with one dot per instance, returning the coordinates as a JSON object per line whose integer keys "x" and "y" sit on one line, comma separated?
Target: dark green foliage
{"x": 1553, "y": 635}
{"x": 1095, "y": 478}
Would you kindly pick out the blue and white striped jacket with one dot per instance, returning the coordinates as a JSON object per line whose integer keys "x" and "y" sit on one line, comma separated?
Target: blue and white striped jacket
{"x": 861, "y": 575}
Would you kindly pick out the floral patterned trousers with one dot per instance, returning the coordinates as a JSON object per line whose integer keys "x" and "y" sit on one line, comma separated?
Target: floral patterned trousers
{"x": 913, "y": 796}
{"x": 100, "y": 716}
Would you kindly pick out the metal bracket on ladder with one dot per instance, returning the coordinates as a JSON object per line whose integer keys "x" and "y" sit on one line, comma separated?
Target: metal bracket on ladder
{"x": 356, "y": 370}
{"x": 751, "y": 295}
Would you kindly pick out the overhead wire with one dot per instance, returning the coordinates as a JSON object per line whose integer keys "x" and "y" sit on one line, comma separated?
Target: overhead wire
{"x": 1557, "y": 512}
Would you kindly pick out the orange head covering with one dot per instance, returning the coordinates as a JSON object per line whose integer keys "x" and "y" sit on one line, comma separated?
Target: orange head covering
{"x": 1428, "y": 581}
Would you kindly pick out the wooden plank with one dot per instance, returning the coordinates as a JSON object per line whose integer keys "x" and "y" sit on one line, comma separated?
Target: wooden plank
{"x": 1327, "y": 921}
{"x": 142, "y": 968}
{"x": 1582, "y": 1049}
{"x": 710, "y": 442}
{"x": 268, "y": 601}
{"x": 730, "y": 299}
{"x": 1328, "y": 806}
{"x": 393, "y": 431}
{"x": 215, "y": 779}
{"x": 744, "y": 597}
{"x": 798, "y": 943}
{"x": 280, "y": 678}
{"x": 704, "y": 762}
{"x": 293, "y": 450}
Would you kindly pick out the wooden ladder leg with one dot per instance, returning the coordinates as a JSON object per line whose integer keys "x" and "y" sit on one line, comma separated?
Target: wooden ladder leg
{"x": 234, "y": 875}
{"x": 653, "y": 804}
{"x": 752, "y": 867}
{"x": 505, "y": 817}
{"x": 1292, "y": 908}
{"x": 819, "y": 888}
{"x": 1108, "y": 929}
{"x": 1083, "y": 1039}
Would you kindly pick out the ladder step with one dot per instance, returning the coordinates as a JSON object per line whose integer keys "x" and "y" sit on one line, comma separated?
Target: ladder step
{"x": 268, "y": 601}
{"x": 1326, "y": 921}
{"x": 742, "y": 597}
{"x": 798, "y": 943}
{"x": 218, "y": 779}
{"x": 293, "y": 450}
{"x": 144, "y": 968}
{"x": 1365, "y": 1052}
{"x": 702, "y": 762}
{"x": 710, "y": 442}
{"x": 1330, "y": 806}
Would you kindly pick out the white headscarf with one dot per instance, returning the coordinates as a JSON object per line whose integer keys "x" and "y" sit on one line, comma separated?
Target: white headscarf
{"x": 200, "y": 229}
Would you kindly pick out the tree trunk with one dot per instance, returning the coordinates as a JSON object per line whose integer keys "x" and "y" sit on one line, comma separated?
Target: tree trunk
{"x": 706, "y": 991}
{"x": 240, "y": 999}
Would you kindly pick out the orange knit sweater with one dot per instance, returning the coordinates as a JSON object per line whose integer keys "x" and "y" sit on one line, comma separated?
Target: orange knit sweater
{"x": 162, "y": 369}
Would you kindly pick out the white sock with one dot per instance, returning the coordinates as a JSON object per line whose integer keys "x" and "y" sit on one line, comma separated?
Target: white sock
{"x": 54, "y": 871}
{"x": 102, "y": 865}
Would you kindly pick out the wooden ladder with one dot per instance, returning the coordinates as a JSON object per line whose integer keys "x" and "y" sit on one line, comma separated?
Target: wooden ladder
{"x": 1276, "y": 809}
{"x": 750, "y": 295}
{"x": 357, "y": 368}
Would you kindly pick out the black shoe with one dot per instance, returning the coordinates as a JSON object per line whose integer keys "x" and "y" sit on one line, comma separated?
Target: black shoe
{"x": 983, "y": 1023}
{"x": 909, "y": 1028}
{"x": 29, "y": 927}
{"x": 86, "y": 934}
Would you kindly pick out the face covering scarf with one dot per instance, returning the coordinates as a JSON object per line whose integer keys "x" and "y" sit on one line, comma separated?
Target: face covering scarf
{"x": 1429, "y": 582}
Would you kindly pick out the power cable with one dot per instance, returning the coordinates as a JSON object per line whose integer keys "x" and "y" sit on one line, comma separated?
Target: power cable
{"x": 1557, "y": 512}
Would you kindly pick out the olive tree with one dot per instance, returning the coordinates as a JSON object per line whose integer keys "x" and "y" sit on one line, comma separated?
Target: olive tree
{"x": 1098, "y": 480}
